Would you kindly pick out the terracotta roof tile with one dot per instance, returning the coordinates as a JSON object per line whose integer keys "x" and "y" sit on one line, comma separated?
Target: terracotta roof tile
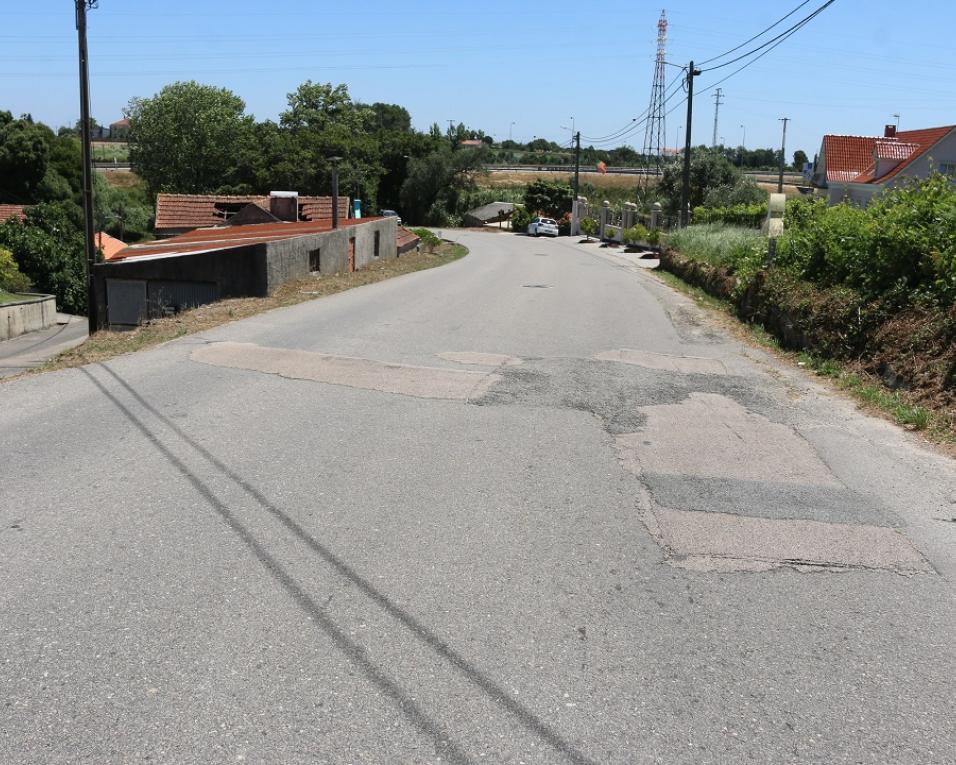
{"x": 110, "y": 245}
{"x": 227, "y": 237}
{"x": 10, "y": 211}
{"x": 183, "y": 211}
{"x": 852, "y": 159}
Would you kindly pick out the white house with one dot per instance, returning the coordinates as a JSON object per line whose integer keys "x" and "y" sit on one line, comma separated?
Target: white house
{"x": 855, "y": 168}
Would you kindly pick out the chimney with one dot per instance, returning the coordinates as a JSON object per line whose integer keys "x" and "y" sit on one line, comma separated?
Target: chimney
{"x": 889, "y": 131}
{"x": 284, "y": 205}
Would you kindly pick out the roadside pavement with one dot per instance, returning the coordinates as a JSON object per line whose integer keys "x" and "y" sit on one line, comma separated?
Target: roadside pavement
{"x": 32, "y": 349}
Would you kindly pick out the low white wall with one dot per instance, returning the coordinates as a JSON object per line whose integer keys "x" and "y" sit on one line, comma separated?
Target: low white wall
{"x": 33, "y": 313}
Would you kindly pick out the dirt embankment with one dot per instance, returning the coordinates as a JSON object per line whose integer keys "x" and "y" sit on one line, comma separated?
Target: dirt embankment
{"x": 910, "y": 349}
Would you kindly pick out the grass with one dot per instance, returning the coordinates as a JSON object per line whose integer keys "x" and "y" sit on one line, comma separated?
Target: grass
{"x": 869, "y": 391}
{"x": 9, "y": 297}
{"x": 122, "y": 179}
{"x": 110, "y": 151}
{"x": 716, "y": 243}
{"x": 106, "y": 345}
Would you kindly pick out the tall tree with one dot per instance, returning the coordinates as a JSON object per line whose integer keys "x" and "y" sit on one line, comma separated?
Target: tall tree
{"x": 186, "y": 137}
{"x": 24, "y": 155}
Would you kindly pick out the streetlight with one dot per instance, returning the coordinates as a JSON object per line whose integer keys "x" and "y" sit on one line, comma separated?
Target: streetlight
{"x": 744, "y": 142}
{"x": 509, "y": 129}
{"x": 335, "y": 190}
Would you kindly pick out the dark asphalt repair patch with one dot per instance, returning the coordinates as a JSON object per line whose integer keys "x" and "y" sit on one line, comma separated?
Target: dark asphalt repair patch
{"x": 538, "y": 286}
{"x": 612, "y": 392}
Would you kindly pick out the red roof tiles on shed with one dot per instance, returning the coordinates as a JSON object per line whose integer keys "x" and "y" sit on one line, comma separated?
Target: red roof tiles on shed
{"x": 227, "y": 237}
{"x": 184, "y": 211}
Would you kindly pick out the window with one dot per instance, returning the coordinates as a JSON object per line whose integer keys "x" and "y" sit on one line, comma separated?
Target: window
{"x": 377, "y": 242}
{"x": 315, "y": 260}
{"x": 948, "y": 168}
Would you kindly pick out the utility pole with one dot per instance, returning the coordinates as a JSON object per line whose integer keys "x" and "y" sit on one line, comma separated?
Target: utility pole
{"x": 717, "y": 103}
{"x": 86, "y": 138}
{"x": 335, "y": 190}
{"x": 577, "y": 163}
{"x": 783, "y": 154}
{"x": 685, "y": 186}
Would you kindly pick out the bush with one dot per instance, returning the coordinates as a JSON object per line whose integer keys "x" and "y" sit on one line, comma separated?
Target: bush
{"x": 743, "y": 192}
{"x": 564, "y": 225}
{"x": 654, "y": 237}
{"x": 610, "y": 232}
{"x": 636, "y": 234}
{"x": 11, "y": 279}
{"x": 520, "y": 219}
{"x": 429, "y": 240}
{"x": 751, "y": 215}
{"x": 589, "y": 227}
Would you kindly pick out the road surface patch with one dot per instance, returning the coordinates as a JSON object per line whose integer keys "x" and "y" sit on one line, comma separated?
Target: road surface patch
{"x": 732, "y": 542}
{"x": 688, "y": 365}
{"x": 480, "y": 359}
{"x": 712, "y": 436}
{"x": 367, "y": 374}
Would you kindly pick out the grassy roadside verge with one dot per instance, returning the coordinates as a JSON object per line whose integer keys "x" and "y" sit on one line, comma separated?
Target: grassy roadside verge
{"x": 873, "y": 396}
{"x": 106, "y": 345}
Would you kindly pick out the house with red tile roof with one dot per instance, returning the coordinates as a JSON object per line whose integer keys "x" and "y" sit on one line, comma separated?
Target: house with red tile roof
{"x": 12, "y": 211}
{"x": 110, "y": 246}
{"x": 855, "y": 168}
{"x": 178, "y": 213}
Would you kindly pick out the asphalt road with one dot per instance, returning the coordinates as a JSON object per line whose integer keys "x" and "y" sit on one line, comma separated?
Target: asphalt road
{"x": 531, "y": 507}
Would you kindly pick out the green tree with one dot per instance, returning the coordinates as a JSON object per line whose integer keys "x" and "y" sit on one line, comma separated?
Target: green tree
{"x": 548, "y": 198}
{"x": 435, "y": 182}
{"x": 24, "y": 156}
{"x": 707, "y": 171}
{"x": 186, "y": 137}
{"x": 11, "y": 279}
{"x": 799, "y": 160}
{"x": 48, "y": 250}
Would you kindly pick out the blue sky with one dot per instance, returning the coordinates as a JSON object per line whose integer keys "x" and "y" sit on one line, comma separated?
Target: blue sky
{"x": 492, "y": 63}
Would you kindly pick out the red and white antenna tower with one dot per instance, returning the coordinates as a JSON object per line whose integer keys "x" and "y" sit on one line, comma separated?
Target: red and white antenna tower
{"x": 655, "y": 134}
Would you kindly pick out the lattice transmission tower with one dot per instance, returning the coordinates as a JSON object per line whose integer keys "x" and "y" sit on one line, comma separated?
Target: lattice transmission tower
{"x": 654, "y": 134}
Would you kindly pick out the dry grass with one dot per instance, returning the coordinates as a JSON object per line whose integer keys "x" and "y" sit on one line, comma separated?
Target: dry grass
{"x": 522, "y": 179}
{"x": 121, "y": 179}
{"x": 106, "y": 345}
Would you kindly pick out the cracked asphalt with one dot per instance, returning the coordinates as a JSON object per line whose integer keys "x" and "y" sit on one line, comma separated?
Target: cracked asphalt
{"x": 455, "y": 518}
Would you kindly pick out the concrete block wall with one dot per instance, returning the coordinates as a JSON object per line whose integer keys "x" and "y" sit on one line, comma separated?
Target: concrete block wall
{"x": 288, "y": 260}
{"x": 33, "y": 313}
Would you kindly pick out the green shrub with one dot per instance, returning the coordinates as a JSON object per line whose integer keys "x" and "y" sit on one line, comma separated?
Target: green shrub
{"x": 636, "y": 234}
{"x": 11, "y": 279}
{"x": 589, "y": 227}
{"x": 610, "y": 232}
{"x": 751, "y": 215}
{"x": 520, "y": 219}
{"x": 429, "y": 240}
{"x": 654, "y": 237}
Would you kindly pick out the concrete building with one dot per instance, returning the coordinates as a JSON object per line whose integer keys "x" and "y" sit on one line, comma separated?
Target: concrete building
{"x": 234, "y": 260}
{"x": 856, "y": 168}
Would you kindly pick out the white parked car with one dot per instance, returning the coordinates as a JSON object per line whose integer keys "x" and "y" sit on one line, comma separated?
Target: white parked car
{"x": 545, "y": 226}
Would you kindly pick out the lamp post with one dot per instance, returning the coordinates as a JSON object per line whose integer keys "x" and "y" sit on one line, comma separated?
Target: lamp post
{"x": 743, "y": 143}
{"x": 335, "y": 190}
{"x": 510, "y": 128}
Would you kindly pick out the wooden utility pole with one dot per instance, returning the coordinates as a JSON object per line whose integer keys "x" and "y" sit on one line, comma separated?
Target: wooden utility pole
{"x": 577, "y": 164}
{"x": 86, "y": 139}
{"x": 685, "y": 186}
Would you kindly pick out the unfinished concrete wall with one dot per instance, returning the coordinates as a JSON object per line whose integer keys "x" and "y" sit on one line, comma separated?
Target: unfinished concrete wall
{"x": 32, "y": 313}
{"x": 292, "y": 259}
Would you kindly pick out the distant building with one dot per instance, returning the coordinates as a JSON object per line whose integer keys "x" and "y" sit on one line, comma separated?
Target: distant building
{"x": 12, "y": 211}
{"x": 110, "y": 246}
{"x": 856, "y": 168}
{"x": 119, "y": 130}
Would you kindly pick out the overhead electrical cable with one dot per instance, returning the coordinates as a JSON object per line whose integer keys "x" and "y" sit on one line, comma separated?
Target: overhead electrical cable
{"x": 756, "y": 36}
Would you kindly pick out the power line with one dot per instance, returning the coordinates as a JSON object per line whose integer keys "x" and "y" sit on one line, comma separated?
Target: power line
{"x": 758, "y": 35}
{"x": 782, "y": 36}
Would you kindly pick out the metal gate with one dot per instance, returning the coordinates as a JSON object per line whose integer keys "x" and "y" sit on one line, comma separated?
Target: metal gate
{"x": 125, "y": 301}
{"x": 165, "y": 298}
